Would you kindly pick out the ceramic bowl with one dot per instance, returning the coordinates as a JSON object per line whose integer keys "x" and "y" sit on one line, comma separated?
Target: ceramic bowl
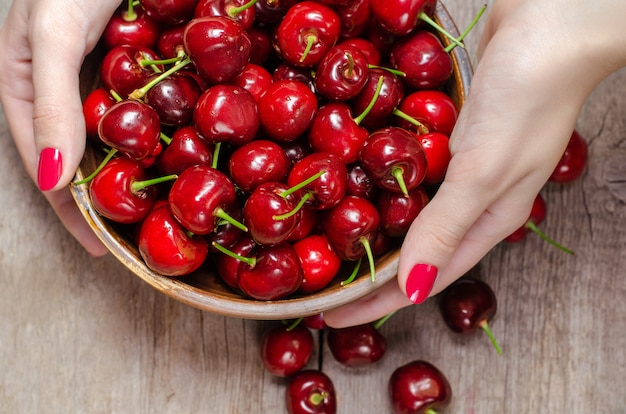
{"x": 203, "y": 289}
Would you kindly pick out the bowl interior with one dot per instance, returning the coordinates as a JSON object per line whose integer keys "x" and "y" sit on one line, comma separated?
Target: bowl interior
{"x": 203, "y": 289}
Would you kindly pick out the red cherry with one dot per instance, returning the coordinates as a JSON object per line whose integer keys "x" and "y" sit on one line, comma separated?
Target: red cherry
{"x": 437, "y": 150}
{"x": 366, "y": 47}
{"x": 170, "y": 41}
{"x": 418, "y": 387}
{"x": 573, "y": 161}
{"x": 214, "y": 39}
{"x": 287, "y": 109}
{"x": 391, "y": 94}
{"x": 131, "y": 26}
{"x": 174, "y": 98}
{"x": 311, "y": 392}
{"x": 306, "y": 224}
{"x": 227, "y": 113}
{"x": 255, "y": 79}
{"x": 227, "y": 266}
{"x": 186, "y": 148}
{"x": 170, "y": 12}
{"x": 326, "y": 190}
{"x": 342, "y": 73}
{"x": 274, "y": 274}
{"x": 359, "y": 184}
{"x": 355, "y": 16}
{"x": 400, "y": 17}
{"x": 257, "y": 162}
{"x": 122, "y": 71}
{"x": 242, "y": 11}
{"x": 357, "y": 345}
{"x": 272, "y": 11}
{"x": 166, "y": 247}
{"x": 397, "y": 211}
{"x": 432, "y": 108}
{"x": 261, "y": 44}
{"x": 132, "y": 127}
{"x": 285, "y": 350}
{"x": 94, "y": 106}
{"x": 467, "y": 305}
{"x": 315, "y": 322}
{"x": 308, "y": 30}
{"x": 320, "y": 263}
{"x": 537, "y": 216}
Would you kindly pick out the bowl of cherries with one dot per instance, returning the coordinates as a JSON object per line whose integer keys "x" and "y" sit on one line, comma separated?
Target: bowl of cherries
{"x": 263, "y": 159}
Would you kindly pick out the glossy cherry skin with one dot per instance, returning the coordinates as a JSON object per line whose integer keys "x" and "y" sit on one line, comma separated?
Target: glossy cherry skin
{"x": 366, "y": 47}
{"x": 227, "y": 113}
{"x": 306, "y": 224}
{"x": 95, "y": 105}
{"x": 287, "y": 109}
{"x": 285, "y": 351}
{"x": 227, "y": 8}
{"x": 174, "y": 98}
{"x": 572, "y": 163}
{"x": 166, "y": 247}
{"x": 347, "y": 223}
{"x": 423, "y": 59}
{"x": 400, "y": 17}
{"x": 197, "y": 196}
{"x": 417, "y": 387}
{"x": 212, "y": 39}
{"x": 326, "y": 190}
{"x": 261, "y": 211}
{"x": 255, "y": 79}
{"x": 391, "y": 94}
{"x": 113, "y": 195}
{"x": 437, "y": 149}
{"x": 170, "y": 12}
{"x": 355, "y": 16}
{"x": 227, "y": 234}
{"x": 227, "y": 267}
{"x": 466, "y": 304}
{"x": 311, "y": 392}
{"x": 132, "y": 127}
{"x": 335, "y": 130}
{"x": 397, "y": 211}
{"x": 359, "y": 184}
{"x": 121, "y": 69}
{"x": 187, "y": 148}
{"x": 303, "y": 21}
{"x": 434, "y": 109}
{"x": 537, "y": 215}
{"x": 342, "y": 73}
{"x": 357, "y": 345}
{"x": 287, "y": 71}
{"x": 389, "y": 149}
{"x": 320, "y": 263}
{"x": 257, "y": 162}
{"x": 136, "y": 28}
{"x": 275, "y": 275}
{"x": 315, "y": 322}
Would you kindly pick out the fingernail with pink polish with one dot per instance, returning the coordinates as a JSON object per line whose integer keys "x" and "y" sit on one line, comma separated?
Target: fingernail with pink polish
{"x": 420, "y": 282}
{"x": 50, "y": 168}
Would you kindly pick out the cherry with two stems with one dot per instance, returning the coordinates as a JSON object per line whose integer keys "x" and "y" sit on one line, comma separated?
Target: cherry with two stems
{"x": 418, "y": 387}
{"x": 467, "y": 305}
{"x": 310, "y": 392}
{"x": 286, "y": 350}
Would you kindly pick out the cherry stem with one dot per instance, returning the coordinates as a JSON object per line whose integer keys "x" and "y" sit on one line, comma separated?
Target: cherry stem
{"x": 137, "y": 186}
{"x": 295, "y": 210}
{"x": 318, "y": 397}
{"x": 250, "y": 261}
{"x": 219, "y": 212}
{"x": 234, "y": 11}
{"x": 485, "y": 327}
{"x": 384, "y": 319}
{"x": 421, "y": 128}
{"x": 426, "y": 18}
{"x": 398, "y": 173}
{"x": 430, "y": 411}
{"x": 310, "y": 41}
{"x": 104, "y": 162}
{"x": 116, "y": 96}
{"x": 293, "y": 324}
{"x": 469, "y": 28}
{"x": 355, "y": 271}
{"x": 533, "y": 227}
{"x": 350, "y": 69}
{"x": 302, "y": 184}
{"x": 216, "y": 154}
{"x": 370, "y": 257}
{"x": 130, "y": 15}
{"x": 152, "y": 62}
{"x": 372, "y": 102}
{"x": 141, "y": 92}
{"x": 165, "y": 138}
{"x": 390, "y": 70}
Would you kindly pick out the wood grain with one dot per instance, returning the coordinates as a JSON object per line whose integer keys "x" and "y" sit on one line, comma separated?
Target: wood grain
{"x": 82, "y": 335}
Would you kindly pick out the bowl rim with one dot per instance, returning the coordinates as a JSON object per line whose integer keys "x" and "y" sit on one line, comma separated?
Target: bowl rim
{"x": 234, "y": 305}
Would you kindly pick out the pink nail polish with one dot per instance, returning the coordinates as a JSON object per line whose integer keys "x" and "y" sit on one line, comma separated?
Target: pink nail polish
{"x": 50, "y": 168}
{"x": 420, "y": 282}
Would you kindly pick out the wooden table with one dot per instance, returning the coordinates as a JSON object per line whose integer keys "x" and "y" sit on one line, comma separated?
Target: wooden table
{"x": 83, "y": 335}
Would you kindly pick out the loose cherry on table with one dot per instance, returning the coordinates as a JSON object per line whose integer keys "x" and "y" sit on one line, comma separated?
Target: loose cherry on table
{"x": 357, "y": 345}
{"x": 166, "y": 247}
{"x": 311, "y": 392}
{"x": 286, "y": 350}
{"x": 418, "y": 387}
{"x": 572, "y": 163}
{"x": 307, "y": 31}
{"x": 394, "y": 159}
{"x": 469, "y": 304}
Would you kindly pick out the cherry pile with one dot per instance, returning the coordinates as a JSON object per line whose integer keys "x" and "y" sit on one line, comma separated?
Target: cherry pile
{"x": 280, "y": 141}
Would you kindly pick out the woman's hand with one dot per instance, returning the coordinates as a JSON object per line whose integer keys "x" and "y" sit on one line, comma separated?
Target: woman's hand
{"x": 539, "y": 61}
{"x": 43, "y": 44}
